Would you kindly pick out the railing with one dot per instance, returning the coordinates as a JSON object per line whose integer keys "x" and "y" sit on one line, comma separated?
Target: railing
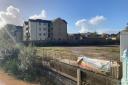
{"x": 69, "y": 69}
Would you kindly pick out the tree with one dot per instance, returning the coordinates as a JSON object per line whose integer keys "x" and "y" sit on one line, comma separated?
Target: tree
{"x": 94, "y": 34}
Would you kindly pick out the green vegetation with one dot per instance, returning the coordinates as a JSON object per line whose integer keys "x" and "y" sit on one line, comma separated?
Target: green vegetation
{"x": 20, "y": 61}
{"x": 56, "y": 53}
{"x": 24, "y": 64}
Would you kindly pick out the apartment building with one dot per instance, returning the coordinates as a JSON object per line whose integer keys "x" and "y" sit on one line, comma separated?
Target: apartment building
{"x": 15, "y": 32}
{"x": 36, "y": 30}
{"x": 59, "y": 29}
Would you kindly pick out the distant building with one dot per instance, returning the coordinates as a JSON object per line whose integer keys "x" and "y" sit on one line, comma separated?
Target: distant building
{"x": 74, "y": 36}
{"x": 104, "y": 35}
{"x": 15, "y": 32}
{"x": 38, "y": 29}
{"x": 87, "y": 34}
{"x": 83, "y": 36}
{"x": 59, "y": 29}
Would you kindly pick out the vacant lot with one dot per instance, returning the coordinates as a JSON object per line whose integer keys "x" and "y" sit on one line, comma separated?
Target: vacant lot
{"x": 6, "y": 79}
{"x": 100, "y": 52}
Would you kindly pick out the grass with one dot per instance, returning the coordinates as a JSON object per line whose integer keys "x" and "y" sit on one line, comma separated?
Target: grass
{"x": 101, "y": 52}
{"x": 24, "y": 65}
{"x": 56, "y": 52}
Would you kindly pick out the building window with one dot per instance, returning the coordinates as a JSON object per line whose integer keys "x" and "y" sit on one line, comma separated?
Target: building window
{"x": 44, "y": 34}
{"x": 27, "y": 28}
{"x": 44, "y": 29}
{"x": 51, "y": 29}
{"x": 39, "y": 34}
{"x": 44, "y": 24}
{"x": 39, "y": 23}
{"x": 40, "y": 29}
{"x": 14, "y": 33}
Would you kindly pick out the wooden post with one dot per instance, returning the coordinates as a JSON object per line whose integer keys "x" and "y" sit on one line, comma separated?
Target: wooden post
{"x": 78, "y": 77}
{"x": 124, "y": 80}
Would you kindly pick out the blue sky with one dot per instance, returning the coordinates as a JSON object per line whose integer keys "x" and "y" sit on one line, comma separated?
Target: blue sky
{"x": 114, "y": 11}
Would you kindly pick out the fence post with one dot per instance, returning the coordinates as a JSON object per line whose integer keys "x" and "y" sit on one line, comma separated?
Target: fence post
{"x": 78, "y": 76}
{"x": 124, "y": 80}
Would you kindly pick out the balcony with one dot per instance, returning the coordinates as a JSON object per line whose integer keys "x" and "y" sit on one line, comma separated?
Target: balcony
{"x": 28, "y": 34}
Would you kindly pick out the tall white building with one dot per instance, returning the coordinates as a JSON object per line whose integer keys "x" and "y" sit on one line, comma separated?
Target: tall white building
{"x": 37, "y": 30}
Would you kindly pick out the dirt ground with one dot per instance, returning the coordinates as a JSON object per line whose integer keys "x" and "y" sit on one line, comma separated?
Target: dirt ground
{"x": 6, "y": 79}
{"x": 100, "y": 52}
{"x": 111, "y": 52}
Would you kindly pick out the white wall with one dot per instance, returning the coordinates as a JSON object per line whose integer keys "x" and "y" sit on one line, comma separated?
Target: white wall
{"x": 35, "y": 30}
{"x": 44, "y": 30}
{"x": 123, "y": 42}
{"x": 32, "y": 27}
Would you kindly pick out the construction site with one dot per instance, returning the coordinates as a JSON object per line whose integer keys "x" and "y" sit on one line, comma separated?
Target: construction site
{"x": 73, "y": 70}
{"x": 98, "y": 65}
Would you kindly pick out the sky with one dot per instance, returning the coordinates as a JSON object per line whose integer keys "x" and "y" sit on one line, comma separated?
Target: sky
{"x": 82, "y": 16}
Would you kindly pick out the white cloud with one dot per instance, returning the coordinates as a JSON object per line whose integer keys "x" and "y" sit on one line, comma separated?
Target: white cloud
{"x": 10, "y": 16}
{"x": 97, "y": 20}
{"x": 42, "y": 15}
{"x": 90, "y": 25}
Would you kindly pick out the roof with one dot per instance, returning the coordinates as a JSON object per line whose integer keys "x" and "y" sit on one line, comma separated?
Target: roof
{"x": 60, "y": 19}
{"x": 12, "y": 25}
{"x": 40, "y": 20}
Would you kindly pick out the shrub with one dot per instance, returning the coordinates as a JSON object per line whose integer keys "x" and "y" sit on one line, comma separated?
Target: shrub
{"x": 20, "y": 61}
{"x": 11, "y": 66}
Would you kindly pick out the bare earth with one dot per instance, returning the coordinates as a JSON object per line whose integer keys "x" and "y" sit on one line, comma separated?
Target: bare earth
{"x": 5, "y": 79}
{"x": 111, "y": 52}
{"x": 99, "y": 52}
